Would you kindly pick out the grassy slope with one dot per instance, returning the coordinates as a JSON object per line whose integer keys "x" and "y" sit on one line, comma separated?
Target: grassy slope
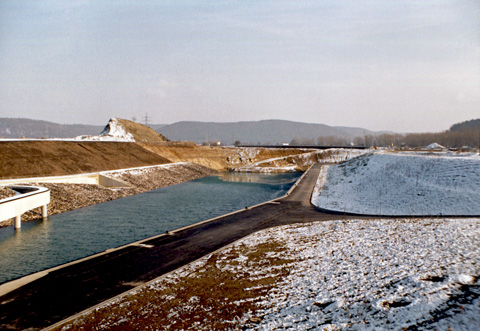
{"x": 141, "y": 132}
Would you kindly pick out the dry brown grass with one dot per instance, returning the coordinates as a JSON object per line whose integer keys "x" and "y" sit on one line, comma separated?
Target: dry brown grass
{"x": 141, "y": 132}
{"x": 216, "y": 293}
{"x": 58, "y": 158}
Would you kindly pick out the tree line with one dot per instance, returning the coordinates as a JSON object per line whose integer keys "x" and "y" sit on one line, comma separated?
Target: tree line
{"x": 466, "y": 134}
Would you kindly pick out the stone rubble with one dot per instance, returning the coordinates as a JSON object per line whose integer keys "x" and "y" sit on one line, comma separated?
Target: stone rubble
{"x": 5, "y": 192}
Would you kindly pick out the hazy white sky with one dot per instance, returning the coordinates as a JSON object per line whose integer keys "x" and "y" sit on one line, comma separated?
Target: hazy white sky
{"x": 380, "y": 64}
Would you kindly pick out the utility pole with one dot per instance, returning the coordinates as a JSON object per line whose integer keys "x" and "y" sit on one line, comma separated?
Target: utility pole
{"x": 146, "y": 119}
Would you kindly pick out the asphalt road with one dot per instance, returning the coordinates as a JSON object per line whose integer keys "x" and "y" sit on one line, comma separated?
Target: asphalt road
{"x": 69, "y": 290}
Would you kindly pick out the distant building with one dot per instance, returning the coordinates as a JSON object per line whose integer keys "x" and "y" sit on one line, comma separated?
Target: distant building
{"x": 435, "y": 147}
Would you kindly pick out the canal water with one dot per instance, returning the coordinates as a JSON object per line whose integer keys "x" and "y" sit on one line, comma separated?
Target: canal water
{"x": 72, "y": 235}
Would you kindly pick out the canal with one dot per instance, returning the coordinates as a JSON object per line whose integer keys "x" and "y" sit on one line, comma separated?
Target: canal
{"x": 83, "y": 232}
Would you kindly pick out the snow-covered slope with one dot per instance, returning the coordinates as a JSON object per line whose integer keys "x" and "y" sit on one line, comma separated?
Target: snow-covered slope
{"x": 375, "y": 275}
{"x": 114, "y": 131}
{"x": 385, "y": 183}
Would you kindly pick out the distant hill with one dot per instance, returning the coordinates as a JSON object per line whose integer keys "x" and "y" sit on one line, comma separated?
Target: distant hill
{"x": 263, "y": 132}
{"x": 23, "y": 127}
{"x": 466, "y": 126}
{"x": 157, "y": 127}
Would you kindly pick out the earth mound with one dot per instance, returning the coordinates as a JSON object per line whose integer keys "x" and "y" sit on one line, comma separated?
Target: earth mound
{"x": 140, "y": 132}
{"x": 119, "y": 129}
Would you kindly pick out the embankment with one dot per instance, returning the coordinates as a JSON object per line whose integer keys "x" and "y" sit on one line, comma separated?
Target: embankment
{"x": 57, "y": 158}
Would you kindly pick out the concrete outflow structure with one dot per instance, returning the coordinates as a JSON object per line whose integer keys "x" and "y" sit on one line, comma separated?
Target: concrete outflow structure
{"x": 30, "y": 197}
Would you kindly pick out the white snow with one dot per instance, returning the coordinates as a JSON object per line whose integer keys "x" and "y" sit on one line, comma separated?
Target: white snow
{"x": 114, "y": 131}
{"x": 367, "y": 275}
{"x": 408, "y": 183}
{"x": 260, "y": 169}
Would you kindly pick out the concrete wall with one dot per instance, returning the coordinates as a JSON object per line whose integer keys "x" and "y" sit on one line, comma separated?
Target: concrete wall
{"x": 73, "y": 179}
{"x": 110, "y": 182}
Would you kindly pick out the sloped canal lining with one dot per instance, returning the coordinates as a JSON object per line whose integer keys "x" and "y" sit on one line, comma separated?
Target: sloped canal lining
{"x": 79, "y": 233}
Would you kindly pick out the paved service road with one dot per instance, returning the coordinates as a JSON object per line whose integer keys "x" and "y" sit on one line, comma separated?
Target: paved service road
{"x": 69, "y": 290}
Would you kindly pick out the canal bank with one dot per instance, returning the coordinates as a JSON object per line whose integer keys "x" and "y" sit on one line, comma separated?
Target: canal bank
{"x": 63, "y": 291}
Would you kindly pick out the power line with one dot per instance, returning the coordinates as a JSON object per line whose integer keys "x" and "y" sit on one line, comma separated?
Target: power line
{"x": 146, "y": 119}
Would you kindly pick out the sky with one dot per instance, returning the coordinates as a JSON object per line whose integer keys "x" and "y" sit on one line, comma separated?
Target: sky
{"x": 402, "y": 66}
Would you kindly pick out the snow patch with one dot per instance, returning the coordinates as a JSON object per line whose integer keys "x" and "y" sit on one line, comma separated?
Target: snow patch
{"x": 364, "y": 274}
{"x": 114, "y": 131}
